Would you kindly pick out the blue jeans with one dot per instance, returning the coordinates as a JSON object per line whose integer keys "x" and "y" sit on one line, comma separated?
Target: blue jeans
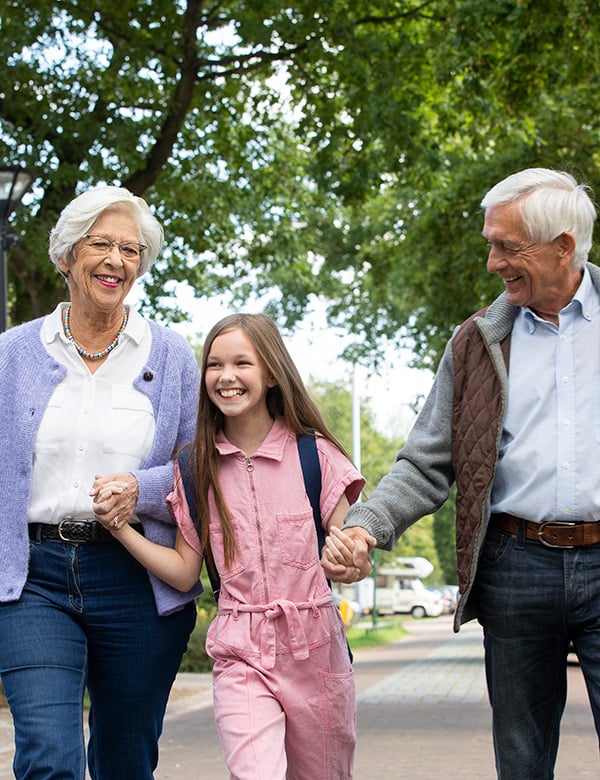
{"x": 531, "y": 601}
{"x": 87, "y": 620}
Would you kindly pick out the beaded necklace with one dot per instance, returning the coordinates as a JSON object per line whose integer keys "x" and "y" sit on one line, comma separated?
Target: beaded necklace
{"x": 83, "y": 352}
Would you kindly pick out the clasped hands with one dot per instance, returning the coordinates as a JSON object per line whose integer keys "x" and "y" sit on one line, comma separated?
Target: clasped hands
{"x": 346, "y": 555}
{"x": 115, "y": 497}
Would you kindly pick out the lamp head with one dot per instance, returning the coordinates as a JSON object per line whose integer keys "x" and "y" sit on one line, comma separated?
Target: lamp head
{"x": 14, "y": 183}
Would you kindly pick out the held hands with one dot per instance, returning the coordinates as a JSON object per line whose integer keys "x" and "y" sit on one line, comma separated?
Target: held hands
{"x": 347, "y": 554}
{"x": 115, "y": 497}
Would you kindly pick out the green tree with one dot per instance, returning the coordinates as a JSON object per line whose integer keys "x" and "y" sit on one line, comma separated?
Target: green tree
{"x": 377, "y": 451}
{"x": 444, "y": 533}
{"x": 338, "y": 149}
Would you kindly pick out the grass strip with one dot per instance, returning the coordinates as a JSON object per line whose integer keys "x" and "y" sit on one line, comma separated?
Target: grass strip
{"x": 366, "y": 635}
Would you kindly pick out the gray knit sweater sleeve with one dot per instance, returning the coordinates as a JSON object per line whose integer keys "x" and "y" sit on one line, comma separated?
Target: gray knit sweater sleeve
{"x": 420, "y": 480}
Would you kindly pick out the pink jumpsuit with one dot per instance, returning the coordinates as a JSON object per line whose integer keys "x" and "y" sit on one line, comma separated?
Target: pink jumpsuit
{"x": 284, "y": 695}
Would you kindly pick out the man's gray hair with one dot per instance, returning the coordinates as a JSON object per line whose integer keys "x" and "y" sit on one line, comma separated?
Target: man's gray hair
{"x": 550, "y": 202}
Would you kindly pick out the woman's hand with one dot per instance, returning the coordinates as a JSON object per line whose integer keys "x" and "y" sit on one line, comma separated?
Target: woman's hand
{"x": 115, "y": 497}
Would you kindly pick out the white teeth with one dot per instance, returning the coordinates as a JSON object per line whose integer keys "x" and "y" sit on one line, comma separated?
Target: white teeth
{"x": 230, "y": 393}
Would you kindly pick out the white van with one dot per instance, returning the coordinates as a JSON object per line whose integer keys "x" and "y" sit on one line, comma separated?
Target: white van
{"x": 400, "y": 590}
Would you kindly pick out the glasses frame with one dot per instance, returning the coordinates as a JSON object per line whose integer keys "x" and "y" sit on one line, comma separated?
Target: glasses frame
{"x": 112, "y": 244}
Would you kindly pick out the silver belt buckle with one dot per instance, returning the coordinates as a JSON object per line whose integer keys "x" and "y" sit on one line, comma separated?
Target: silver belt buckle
{"x": 60, "y": 529}
{"x": 559, "y": 523}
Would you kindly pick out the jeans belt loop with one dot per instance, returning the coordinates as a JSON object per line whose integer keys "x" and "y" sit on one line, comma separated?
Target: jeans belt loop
{"x": 521, "y": 537}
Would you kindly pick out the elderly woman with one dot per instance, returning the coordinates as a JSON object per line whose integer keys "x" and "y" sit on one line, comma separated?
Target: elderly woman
{"x": 93, "y": 398}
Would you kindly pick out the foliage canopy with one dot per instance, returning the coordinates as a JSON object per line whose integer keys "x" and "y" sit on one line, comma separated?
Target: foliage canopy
{"x": 333, "y": 149}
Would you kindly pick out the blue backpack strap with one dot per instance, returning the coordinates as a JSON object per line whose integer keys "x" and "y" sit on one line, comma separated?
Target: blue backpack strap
{"x": 311, "y": 471}
{"x": 185, "y": 460}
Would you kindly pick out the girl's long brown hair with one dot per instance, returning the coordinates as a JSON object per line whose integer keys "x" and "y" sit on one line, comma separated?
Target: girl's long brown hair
{"x": 288, "y": 399}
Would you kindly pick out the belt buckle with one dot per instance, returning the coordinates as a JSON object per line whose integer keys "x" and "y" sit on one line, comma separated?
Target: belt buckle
{"x": 559, "y": 523}
{"x": 60, "y": 529}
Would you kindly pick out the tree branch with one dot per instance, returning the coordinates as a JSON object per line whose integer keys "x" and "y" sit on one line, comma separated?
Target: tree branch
{"x": 141, "y": 180}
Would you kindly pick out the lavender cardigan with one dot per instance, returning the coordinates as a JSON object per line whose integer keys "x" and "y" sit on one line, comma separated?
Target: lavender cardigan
{"x": 28, "y": 377}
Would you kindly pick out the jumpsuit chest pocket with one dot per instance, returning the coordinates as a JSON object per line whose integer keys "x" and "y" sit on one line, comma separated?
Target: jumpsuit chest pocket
{"x": 217, "y": 547}
{"x": 298, "y": 539}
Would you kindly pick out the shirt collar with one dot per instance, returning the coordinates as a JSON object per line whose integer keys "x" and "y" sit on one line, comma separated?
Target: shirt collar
{"x": 586, "y": 296}
{"x": 52, "y": 327}
{"x": 272, "y": 446}
{"x": 582, "y": 304}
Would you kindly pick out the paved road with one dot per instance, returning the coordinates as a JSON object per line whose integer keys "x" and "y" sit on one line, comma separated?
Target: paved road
{"x": 422, "y": 714}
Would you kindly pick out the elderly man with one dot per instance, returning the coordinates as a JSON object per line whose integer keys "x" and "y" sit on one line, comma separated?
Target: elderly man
{"x": 514, "y": 418}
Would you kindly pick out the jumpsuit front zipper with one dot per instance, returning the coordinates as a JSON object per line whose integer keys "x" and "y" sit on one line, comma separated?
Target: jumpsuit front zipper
{"x": 250, "y": 470}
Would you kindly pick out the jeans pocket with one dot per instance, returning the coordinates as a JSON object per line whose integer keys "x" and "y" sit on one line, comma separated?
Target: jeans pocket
{"x": 496, "y": 547}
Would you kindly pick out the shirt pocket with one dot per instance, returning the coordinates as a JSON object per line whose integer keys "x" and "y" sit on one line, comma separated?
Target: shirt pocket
{"x": 129, "y": 426}
{"x": 47, "y": 441}
{"x": 596, "y": 406}
{"x": 298, "y": 539}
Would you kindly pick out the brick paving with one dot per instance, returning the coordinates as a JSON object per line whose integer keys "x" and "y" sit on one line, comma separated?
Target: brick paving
{"x": 453, "y": 672}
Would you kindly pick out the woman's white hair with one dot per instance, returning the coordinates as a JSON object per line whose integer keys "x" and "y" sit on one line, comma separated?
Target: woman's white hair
{"x": 550, "y": 203}
{"x": 80, "y": 215}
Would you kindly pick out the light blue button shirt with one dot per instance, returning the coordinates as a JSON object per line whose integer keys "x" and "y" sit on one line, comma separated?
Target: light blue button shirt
{"x": 548, "y": 464}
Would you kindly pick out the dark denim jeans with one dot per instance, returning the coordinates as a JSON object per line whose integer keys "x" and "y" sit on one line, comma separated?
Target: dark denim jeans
{"x": 531, "y": 601}
{"x": 87, "y": 619}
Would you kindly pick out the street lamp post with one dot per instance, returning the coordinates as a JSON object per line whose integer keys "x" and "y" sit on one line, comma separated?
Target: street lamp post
{"x": 14, "y": 183}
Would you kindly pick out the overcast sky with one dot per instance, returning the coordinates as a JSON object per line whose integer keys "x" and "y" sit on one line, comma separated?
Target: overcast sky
{"x": 314, "y": 348}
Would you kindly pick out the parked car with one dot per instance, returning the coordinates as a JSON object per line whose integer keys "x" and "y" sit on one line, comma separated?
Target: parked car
{"x": 450, "y": 597}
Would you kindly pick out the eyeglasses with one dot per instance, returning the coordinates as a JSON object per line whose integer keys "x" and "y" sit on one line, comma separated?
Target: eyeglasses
{"x": 129, "y": 250}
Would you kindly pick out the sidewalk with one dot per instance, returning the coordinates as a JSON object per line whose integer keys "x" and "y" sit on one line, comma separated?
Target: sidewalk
{"x": 190, "y": 694}
{"x": 422, "y": 714}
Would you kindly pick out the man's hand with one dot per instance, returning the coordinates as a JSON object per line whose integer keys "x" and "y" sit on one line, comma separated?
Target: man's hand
{"x": 347, "y": 554}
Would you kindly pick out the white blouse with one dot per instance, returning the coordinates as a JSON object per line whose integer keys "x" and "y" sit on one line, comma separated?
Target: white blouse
{"x": 94, "y": 423}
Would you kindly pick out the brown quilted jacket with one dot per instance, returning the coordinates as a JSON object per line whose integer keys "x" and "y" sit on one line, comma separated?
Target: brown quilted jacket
{"x": 477, "y": 414}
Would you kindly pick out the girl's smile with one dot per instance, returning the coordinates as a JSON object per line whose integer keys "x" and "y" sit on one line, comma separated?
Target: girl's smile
{"x": 237, "y": 378}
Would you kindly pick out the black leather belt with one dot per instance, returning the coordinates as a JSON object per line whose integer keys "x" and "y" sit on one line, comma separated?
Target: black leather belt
{"x": 553, "y": 533}
{"x": 80, "y": 531}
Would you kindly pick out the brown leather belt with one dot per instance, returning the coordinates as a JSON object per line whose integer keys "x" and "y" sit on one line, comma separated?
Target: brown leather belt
{"x": 554, "y": 533}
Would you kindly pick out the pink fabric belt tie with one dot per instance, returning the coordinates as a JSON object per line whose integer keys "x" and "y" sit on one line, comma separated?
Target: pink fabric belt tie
{"x": 289, "y": 611}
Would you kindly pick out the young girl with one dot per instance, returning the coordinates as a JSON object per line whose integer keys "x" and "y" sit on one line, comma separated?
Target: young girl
{"x": 284, "y": 696}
